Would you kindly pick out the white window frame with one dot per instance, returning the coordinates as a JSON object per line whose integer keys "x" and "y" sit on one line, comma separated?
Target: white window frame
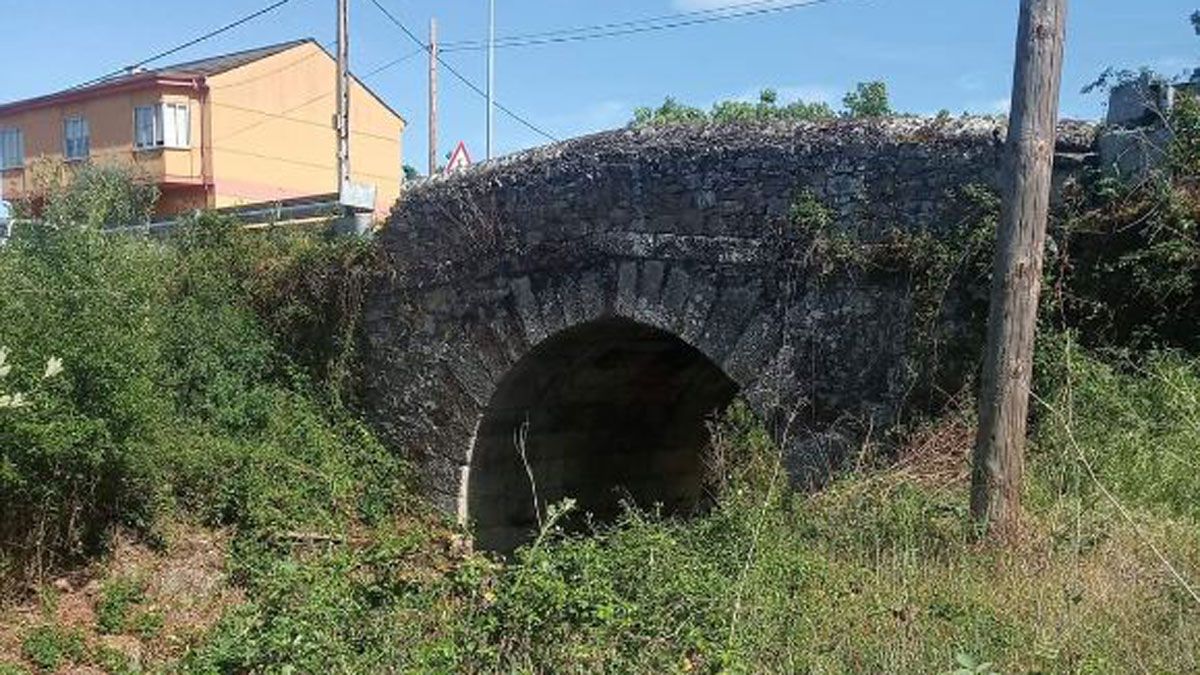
{"x": 177, "y": 125}
{"x": 170, "y": 126}
{"x": 155, "y": 128}
{"x": 81, "y": 143}
{"x": 7, "y": 160}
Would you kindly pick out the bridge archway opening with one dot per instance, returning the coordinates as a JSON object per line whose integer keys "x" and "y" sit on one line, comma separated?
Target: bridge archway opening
{"x": 608, "y": 411}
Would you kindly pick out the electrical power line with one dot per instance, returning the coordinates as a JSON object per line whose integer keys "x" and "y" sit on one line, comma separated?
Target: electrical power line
{"x": 500, "y": 106}
{"x": 458, "y": 45}
{"x": 616, "y": 29}
{"x": 462, "y": 78}
{"x": 190, "y": 43}
{"x": 300, "y": 120}
{"x": 394, "y": 62}
{"x": 284, "y": 113}
{"x": 270, "y": 73}
{"x": 294, "y": 162}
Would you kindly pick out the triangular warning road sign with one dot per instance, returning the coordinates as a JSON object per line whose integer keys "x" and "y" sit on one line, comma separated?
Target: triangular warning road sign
{"x": 459, "y": 159}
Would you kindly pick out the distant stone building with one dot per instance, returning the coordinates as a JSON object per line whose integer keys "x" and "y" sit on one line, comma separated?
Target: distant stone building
{"x": 1138, "y": 120}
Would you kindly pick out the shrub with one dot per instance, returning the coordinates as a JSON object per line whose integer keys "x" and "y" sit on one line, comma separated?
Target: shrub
{"x": 117, "y": 600}
{"x": 69, "y": 459}
{"x": 176, "y": 393}
{"x": 87, "y": 195}
{"x": 868, "y": 99}
{"x": 1132, "y": 426}
{"x": 48, "y": 646}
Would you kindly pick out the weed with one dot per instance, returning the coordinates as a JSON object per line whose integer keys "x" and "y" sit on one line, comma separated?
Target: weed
{"x": 50, "y": 646}
{"x": 118, "y": 597}
{"x": 114, "y": 661}
{"x": 147, "y": 625}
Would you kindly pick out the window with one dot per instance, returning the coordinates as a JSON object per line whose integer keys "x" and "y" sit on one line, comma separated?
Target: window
{"x": 77, "y": 143}
{"x": 145, "y": 128}
{"x": 176, "y": 125}
{"x": 12, "y": 149}
{"x": 162, "y": 125}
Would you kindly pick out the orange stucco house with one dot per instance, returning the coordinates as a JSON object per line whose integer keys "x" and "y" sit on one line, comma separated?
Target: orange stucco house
{"x": 252, "y": 127}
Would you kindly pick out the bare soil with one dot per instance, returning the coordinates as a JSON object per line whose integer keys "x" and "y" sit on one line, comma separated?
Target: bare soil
{"x": 185, "y": 582}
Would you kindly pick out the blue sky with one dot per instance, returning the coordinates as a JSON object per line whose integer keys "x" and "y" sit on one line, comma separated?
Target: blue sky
{"x": 953, "y": 54}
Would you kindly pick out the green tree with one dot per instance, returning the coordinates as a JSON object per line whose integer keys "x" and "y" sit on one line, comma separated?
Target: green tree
{"x": 765, "y": 109}
{"x": 800, "y": 110}
{"x": 88, "y": 195}
{"x": 670, "y": 112}
{"x": 869, "y": 99}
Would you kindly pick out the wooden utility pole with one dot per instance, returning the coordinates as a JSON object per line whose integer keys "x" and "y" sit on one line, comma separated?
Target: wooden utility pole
{"x": 343, "y": 95}
{"x": 999, "y": 458}
{"x": 433, "y": 111}
{"x": 491, "y": 75}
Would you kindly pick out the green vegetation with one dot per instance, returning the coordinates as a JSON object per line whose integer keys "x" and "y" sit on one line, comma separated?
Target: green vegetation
{"x": 86, "y": 194}
{"x": 208, "y": 379}
{"x": 954, "y": 262}
{"x": 117, "y": 599}
{"x": 878, "y": 573}
{"x": 869, "y": 99}
{"x": 1127, "y": 273}
{"x": 174, "y": 398}
{"x": 1140, "y": 432}
{"x": 48, "y": 647}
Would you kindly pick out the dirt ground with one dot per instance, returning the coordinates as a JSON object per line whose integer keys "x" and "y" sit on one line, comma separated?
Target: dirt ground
{"x": 183, "y": 591}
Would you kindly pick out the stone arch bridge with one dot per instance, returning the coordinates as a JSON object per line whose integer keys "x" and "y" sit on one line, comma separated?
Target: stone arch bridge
{"x": 562, "y": 322}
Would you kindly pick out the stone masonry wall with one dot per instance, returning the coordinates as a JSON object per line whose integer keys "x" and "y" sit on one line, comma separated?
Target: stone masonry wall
{"x": 685, "y": 230}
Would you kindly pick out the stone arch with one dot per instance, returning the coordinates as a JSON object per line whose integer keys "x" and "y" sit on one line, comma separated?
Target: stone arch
{"x": 605, "y": 411}
{"x": 687, "y": 230}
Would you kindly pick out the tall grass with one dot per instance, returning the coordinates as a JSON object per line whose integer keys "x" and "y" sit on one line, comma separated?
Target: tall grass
{"x": 879, "y": 572}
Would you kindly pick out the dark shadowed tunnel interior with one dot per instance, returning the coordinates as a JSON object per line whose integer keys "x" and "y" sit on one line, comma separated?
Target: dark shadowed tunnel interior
{"x": 612, "y": 410}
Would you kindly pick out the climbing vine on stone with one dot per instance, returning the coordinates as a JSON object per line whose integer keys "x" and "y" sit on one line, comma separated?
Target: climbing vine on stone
{"x": 933, "y": 260}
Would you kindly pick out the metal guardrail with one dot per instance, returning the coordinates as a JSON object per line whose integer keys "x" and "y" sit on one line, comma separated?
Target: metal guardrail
{"x": 258, "y": 216}
{"x": 305, "y": 210}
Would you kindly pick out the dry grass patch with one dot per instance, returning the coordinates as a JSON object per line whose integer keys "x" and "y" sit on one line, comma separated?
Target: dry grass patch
{"x": 137, "y": 608}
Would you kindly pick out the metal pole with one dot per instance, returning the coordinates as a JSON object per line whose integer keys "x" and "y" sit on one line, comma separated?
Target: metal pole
{"x": 433, "y": 111}
{"x": 343, "y": 94}
{"x": 491, "y": 74}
